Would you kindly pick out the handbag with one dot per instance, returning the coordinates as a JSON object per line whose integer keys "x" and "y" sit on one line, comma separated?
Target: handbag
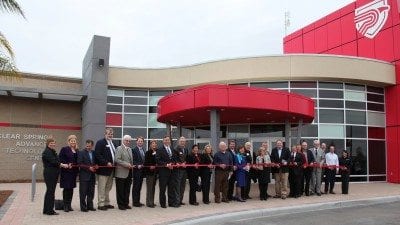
{"x": 58, "y": 204}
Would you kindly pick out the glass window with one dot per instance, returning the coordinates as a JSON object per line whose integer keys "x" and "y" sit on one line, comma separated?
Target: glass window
{"x": 330, "y": 85}
{"x": 331, "y": 103}
{"x": 355, "y": 105}
{"x": 331, "y": 131}
{"x": 377, "y": 157}
{"x": 338, "y": 143}
{"x": 377, "y": 178}
{"x": 331, "y": 116}
{"x": 135, "y": 109}
{"x": 355, "y": 96}
{"x": 375, "y": 90}
{"x": 136, "y": 101}
{"x": 303, "y": 84}
{"x": 238, "y": 131}
{"x": 153, "y": 109}
{"x": 139, "y": 120}
{"x": 270, "y": 85}
{"x": 376, "y": 98}
{"x": 376, "y": 107}
{"x": 315, "y": 116}
{"x": 114, "y": 92}
{"x": 376, "y": 132}
{"x": 153, "y": 121}
{"x": 135, "y": 132}
{"x": 203, "y": 132}
{"x": 135, "y": 93}
{"x": 157, "y": 133}
{"x": 114, "y": 108}
{"x": 356, "y": 132}
{"x": 153, "y": 100}
{"x": 113, "y": 99}
{"x": 267, "y": 130}
{"x": 330, "y": 94}
{"x": 312, "y": 93}
{"x": 376, "y": 119}
{"x": 159, "y": 93}
{"x": 308, "y": 130}
{"x": 355, "y": 117}
{"x": 358, "y": 152}
{"x": 355, "y": 87}
{"x": 186, "y": 132}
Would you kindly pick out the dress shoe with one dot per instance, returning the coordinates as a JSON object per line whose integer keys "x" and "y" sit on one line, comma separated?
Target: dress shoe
{"x": 121, "y": 208}
{"x": 319, "y": 194}
{"x": 151, "y": 206}
{"x": 53, "y": 213}
{"x": 206, "y": 202}
{"x": 241, "y": 200}
{"x": 109, "y": 206}
{"x": 331, "y": 192}
{"x": 70, "y": 208}
{"x": 226, "y": 201}
{"x": 91, "y": 209}
{"x": 283, "y": 197}
{"x": 163, "y": 206}
{"x": 138, "y": 205}
{"x": 277, "y": 196}
{"x": 128, "y": 207}
{"x": 84, "y": 210}
{"x": 194, "y": 203}
{"x": 66, "y": 209}
{"x": 248, "y": 197}
{"x": 217, "y": 201}
{"x": 182, "y": 203}
{"x": 102, "y": 208}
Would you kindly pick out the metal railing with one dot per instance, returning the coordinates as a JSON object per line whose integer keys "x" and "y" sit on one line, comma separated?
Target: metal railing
{"x": 33, "y": 188}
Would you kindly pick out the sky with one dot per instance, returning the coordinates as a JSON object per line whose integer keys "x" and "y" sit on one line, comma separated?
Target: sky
{"x": 153, "y": 34}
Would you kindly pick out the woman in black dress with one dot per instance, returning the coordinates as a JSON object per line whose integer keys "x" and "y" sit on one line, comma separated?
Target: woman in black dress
{"x": 51, "y": 171}
{"x": 263, "y": 161}
{"x": 151, "y": 173}
{"x": 193, "y": 173}
{"x": 69, "y": 155}
{"x": 205, "y": 172}
{"x": 345, "y": 164}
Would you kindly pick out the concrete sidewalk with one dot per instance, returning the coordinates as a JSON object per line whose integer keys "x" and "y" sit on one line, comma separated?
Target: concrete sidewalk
{"x": 23, "y": 211}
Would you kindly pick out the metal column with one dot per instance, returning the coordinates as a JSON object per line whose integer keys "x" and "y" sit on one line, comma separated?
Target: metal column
{"x": 299, "y": 130}
{"x": 214, "y": 129}
{"x": 288, "y": 134}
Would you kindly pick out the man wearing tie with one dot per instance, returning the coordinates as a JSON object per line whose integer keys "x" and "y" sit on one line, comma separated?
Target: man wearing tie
{"x": 123, "y": 172}
{"x": 280, "y": 157}
{"x": 105, "y": 157}
{"x": 164, "y": 162}
{"x": 138, "y": 161}
{"x": 307, "y": 171}
{"x": 295, "y": 172}
{"x": 87, "y": 177}
{"x": 319, "y": 156}
{"x": 180, "y": 175}
{"x": 232, "y": 179}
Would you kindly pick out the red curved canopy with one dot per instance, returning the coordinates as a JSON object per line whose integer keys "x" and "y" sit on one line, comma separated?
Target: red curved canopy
{"x": 236, "y": 104}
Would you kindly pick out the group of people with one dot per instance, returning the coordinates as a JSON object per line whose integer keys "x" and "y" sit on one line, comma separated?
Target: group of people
{"x": 234, "y": 168}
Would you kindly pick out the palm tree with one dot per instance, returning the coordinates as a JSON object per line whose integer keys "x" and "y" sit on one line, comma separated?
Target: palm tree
{"x": 8, "y": 68}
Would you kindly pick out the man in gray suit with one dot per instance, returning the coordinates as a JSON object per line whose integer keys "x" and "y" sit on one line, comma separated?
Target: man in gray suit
{"x": 319, "y": 156}
{"x": 123, "y": 172}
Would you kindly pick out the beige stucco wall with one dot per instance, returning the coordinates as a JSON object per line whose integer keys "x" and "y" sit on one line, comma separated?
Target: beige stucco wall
{"x": 268, "y": 68}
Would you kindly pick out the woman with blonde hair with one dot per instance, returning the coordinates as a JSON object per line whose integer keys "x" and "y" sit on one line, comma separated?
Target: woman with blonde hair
{"x": 263, "y": 162}
{"x": 69, "y": 155}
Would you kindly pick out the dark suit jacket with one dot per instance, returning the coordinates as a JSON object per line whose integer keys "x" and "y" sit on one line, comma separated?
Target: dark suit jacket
{"x": 103, "y": 156}
{"x": 84, "y": 159}
{"x": 180, "y": 154}
{"x": 137, "y": 158}
{"x": 150, "y": 160}
{"x": 297, "y": 170}
{"x": 285, "y": 155}
{"x": 51, "y": 164}
{"x": 162, "y": 157}
{"x": 208, "y": 160}
{"x": 192, "y": 159}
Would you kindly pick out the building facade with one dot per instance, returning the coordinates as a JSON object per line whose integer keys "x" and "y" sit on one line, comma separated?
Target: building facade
{"x": 351, "y": 78}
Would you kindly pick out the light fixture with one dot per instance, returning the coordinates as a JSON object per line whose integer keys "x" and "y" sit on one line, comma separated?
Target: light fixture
{"x": 101, "y": 62}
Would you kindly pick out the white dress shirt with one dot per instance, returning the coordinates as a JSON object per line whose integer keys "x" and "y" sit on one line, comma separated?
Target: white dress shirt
{"x": 331, "y": 159}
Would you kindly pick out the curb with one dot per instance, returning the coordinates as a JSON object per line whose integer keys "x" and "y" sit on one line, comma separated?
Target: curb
{"x": 4, "y": 208}
{"x": 222, "y": 218}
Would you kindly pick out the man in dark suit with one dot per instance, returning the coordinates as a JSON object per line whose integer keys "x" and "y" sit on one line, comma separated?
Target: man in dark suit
{"x": 138, "y": 161}
{"x": 164, "y": 161}
{"x": 232, "y": 179}
{"x": 280, "y": 157}
{"x": 295, "y": 172}
{"x": 105, "y": 154}
{"x": 180, "y": 155}
{"x": 307, "y": 171}
{"x": 87, "y": 178}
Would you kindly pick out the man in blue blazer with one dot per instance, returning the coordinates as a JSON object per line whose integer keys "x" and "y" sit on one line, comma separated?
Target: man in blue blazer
{"x": 105, "y": 157}
{"x": 138, "y": 161}
{"x": 87, "y": 177}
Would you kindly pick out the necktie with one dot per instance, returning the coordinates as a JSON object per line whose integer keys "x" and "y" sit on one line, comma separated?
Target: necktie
{"x": 91, "y": 157}
{"x": 316, "y": 152}
{"x": 141, "y": 153}
{"x": 169, "y": 151}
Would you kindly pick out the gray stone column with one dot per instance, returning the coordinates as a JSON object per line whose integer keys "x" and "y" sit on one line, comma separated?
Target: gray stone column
{"x": 179, "y": 130}
{"x": 288, "y": 134}
{"x": 299, "y": 130}
{"x": 169, "y": 130}
{"x": 214, "y": 129}
{"x": 95, "y": 84}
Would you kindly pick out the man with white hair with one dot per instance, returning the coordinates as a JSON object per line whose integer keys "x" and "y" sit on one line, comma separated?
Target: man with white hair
{"x": 123, "y": 172}
{"x": 223, "y": 165}
{"x": 180, "y": 176}
{"x": 319, "y": 156}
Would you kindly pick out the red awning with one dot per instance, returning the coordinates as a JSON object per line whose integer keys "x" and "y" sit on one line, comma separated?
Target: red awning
{"x": 237, "y": 104}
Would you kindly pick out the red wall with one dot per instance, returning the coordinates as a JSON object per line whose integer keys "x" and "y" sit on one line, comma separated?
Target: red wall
{"x": 336, "y": 34}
